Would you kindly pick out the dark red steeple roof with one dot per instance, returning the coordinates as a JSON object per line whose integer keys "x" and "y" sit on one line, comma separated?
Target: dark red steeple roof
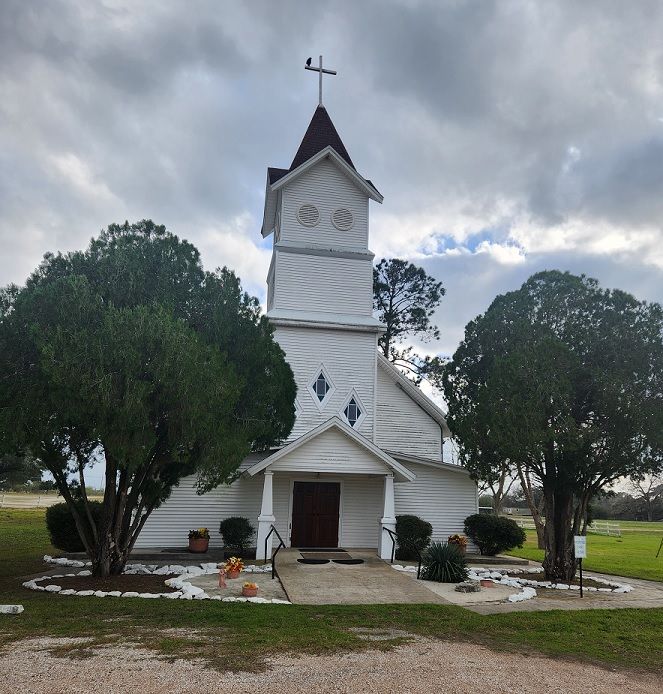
{"x": 320, "y": 133}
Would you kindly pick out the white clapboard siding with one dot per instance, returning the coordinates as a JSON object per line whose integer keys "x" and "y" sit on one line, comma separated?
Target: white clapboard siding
{"x": 442, "y": 497}
{"x": 168, "y": 526}
{"x": 349, "y": 360}
{"x": 328, "y": 189}
{"x": 323, "y": 284}
{"x": 331, "y": 452}
{"x": 402, "y": 425}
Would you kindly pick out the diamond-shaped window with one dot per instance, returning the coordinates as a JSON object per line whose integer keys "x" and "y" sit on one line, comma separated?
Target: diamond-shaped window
{"x": 352, "y": 412}
{"x": 321, "y": 387}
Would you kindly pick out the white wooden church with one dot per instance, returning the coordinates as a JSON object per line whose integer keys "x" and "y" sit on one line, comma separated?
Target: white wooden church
{"x": 367, "y": 444}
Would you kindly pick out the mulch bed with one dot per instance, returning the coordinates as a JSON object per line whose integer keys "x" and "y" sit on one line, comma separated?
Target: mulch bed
{"x": 139, "y": 583}
{"x": 586, "y": 582}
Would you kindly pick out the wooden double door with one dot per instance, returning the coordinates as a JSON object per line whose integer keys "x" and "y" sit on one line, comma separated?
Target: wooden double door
{"x": 315, "y": 514}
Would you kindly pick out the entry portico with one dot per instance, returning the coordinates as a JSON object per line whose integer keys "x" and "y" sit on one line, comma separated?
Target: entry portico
{"x": 319, "y": 467}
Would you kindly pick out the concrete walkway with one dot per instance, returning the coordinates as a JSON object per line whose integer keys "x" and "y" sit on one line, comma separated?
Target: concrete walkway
{"x": 373, "y": 582}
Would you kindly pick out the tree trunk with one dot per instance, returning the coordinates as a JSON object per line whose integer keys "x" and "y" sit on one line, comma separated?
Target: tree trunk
{"x": 559, "y": 563}
{"x": 540, "y": 528}
{"x": 107, "y": 560}
{"x": 537, "y": 515}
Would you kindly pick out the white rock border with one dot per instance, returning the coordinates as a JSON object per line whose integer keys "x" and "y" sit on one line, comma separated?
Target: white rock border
{"x": 510, "y": 577}
{"x": 526, "y": 593}
{"x": 184, "y": 589}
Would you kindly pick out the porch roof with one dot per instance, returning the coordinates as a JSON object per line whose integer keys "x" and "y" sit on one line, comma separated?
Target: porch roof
{"x": 401, "y": 473}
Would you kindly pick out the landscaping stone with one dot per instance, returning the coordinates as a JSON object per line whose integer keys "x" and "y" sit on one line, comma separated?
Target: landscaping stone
{"x": 184, "y": 589}
{"x": 11, "y": 609}
{"x": 468, "y": 587}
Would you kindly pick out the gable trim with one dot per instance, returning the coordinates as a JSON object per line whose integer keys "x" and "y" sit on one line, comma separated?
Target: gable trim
{"x": 335, "y": 422}
{"x": 329, "y": 153}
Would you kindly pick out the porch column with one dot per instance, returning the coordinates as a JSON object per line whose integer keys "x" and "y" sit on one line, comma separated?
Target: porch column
{"x": 388, "y": 519}
{"x": 266, "y": 518}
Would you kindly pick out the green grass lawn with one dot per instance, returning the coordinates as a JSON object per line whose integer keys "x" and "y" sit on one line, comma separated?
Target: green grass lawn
{"x": 239, "y": 636}
{"x": 633, "y": 554}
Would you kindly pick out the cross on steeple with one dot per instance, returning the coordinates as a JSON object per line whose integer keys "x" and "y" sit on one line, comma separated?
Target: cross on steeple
{"x": 321, "y": 71}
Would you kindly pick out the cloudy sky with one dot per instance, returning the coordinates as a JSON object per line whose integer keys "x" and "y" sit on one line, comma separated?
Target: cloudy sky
{"x": 507, "y": 137}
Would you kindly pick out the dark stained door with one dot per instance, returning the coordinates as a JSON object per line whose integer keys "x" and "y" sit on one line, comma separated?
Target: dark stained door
{"x": 315, "y": 508}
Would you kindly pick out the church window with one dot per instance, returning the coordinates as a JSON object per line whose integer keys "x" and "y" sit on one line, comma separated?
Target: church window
{"x": 308, "y": 215}
{"x": 352, "y": 412}
{"x": 342, "y": 219}
{"x": 321, "y": 387}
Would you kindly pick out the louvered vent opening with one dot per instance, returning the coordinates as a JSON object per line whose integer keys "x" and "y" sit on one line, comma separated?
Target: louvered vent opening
{"x": 308, "y": 215}
{"x": 342, "y": 219}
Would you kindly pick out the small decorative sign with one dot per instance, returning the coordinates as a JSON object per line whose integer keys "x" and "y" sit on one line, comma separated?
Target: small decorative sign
{"x": 580, "y": 544}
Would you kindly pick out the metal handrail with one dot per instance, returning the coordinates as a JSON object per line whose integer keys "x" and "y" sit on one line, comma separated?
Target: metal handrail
{"x": 393, "y": 537}
{"x": 273, "y": 557}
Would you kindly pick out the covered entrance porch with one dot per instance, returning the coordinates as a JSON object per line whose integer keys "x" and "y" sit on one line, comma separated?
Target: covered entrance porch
{"x": 330, "y": 488}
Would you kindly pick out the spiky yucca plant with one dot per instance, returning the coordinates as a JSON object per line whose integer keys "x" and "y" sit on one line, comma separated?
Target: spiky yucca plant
{"x": 444, "y": 563}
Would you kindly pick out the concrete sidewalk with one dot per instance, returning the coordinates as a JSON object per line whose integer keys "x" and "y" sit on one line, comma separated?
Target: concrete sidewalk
{"x": 373, "y": 582}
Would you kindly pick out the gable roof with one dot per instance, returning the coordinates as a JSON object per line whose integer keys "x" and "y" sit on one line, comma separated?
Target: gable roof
{"x": 320, "y": 133}
{"x": 400, "y": 471}
{"x": 330, "y": 153}
{"x": 274, "y": 174}
{"x": 414, "y": 392}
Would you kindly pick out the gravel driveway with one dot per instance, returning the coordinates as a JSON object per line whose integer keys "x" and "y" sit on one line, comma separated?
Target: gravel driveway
{"x": 422, "y": 666}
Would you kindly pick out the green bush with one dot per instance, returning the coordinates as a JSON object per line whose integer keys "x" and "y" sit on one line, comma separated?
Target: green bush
{"x": 61, "y": 526}
{"x": 236, "y": 533}
{"x": 444, "y": 563}
{"x": 493, "y": 534}
{"x": 411, "y": 531}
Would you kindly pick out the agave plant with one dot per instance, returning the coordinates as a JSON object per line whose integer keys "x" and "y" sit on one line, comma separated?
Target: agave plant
{"x": 444, "y": 563}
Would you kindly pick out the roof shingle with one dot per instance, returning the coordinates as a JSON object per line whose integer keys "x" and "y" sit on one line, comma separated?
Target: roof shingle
{"x": 320, "y": 133}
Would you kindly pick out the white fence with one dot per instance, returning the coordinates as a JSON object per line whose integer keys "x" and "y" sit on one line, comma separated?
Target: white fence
{"x": 609, "y": 528}
{"x": 9, "y": 500}
{"x": 525, "y": 522}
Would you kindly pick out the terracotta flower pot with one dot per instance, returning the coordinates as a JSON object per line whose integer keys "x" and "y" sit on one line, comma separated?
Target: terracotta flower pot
{"x": 232, "y": 574}
{"x": 486, "y": 583}
{"x": 249, "y": 592}
{"x": 198, "y": 545}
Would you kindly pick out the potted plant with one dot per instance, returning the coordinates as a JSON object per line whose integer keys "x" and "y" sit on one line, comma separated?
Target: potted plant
{"x": 250, "y": 590}
{"x": 233, "y": 567}
{"x": 198, "y": 540}
{"x": 460, "y": 541}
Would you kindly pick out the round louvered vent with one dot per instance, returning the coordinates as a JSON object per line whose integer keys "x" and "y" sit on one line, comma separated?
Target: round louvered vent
{"x": 342, "y": 219}
{"x": 308, "y": 215}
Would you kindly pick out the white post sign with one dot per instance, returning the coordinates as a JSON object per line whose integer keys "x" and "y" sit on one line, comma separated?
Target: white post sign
{"x": 580, "y": 544}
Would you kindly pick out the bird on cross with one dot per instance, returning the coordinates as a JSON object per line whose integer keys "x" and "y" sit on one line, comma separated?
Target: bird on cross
{"x": 321, "y": 71}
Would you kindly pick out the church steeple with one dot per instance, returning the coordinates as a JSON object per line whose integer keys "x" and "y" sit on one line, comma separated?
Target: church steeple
{"x": 320, "y": 133}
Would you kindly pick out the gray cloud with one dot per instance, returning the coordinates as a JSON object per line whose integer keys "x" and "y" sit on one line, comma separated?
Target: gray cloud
{"x": 521, "y": 135}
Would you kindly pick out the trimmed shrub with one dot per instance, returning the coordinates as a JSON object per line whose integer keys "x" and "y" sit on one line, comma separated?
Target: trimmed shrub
{"x": 493, "y": 534}
{"x": 61, "y": 526}
{"x": 444, "y": 563}
{"x": 411, "y": 531}
{"x": 237, "y": 533}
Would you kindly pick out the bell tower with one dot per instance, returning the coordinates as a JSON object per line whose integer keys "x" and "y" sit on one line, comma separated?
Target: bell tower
{"x": 320, "y": 280}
